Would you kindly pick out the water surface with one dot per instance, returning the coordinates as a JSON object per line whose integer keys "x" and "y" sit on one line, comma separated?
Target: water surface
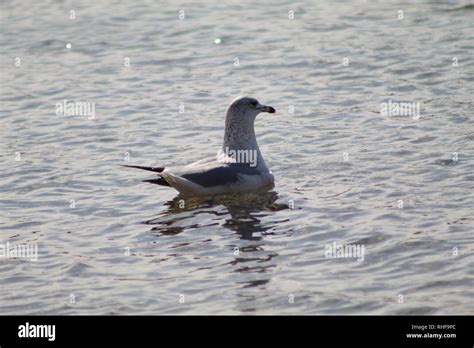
{"x": 341, "y": 168}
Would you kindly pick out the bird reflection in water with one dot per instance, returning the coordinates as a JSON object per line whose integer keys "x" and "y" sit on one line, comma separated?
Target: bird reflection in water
{"x": 244, "y": 211}
{"x": 242, "y": 214}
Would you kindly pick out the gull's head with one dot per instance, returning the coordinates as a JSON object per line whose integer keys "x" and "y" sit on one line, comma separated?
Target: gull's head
{"x": 247, "y": 107}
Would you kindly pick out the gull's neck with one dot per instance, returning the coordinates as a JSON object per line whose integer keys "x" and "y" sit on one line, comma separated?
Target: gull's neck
{"x": 240, "y": 135}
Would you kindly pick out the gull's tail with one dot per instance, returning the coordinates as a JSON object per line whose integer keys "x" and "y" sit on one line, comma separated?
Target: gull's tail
{"x": 157, "y": 181}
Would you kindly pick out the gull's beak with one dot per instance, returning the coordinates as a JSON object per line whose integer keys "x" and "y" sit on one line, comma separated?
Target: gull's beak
{"x": 265, "y": 108}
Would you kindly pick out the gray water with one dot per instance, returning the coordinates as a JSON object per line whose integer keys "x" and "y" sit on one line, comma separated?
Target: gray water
{"x": 401, "y": 187}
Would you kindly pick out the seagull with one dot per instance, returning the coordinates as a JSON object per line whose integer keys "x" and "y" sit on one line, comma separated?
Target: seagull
{"x": 237, "y": 167}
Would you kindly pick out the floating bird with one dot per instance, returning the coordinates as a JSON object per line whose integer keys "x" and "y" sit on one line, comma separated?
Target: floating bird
{"x": 238, "y": 166}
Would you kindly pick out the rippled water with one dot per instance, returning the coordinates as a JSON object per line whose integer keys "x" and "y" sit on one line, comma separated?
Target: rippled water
{"x": 341, "y": 168}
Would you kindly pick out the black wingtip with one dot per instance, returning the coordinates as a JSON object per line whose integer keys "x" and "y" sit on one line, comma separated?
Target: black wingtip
{"x": 158, "y": 181}
{"x": 151, "y": 169}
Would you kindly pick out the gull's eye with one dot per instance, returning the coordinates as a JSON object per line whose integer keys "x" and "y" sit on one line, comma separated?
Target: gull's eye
{"x": 254, "y": 104}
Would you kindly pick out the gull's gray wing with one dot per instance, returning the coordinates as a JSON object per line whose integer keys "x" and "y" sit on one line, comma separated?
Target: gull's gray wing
{"x": 215, "y": 173}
